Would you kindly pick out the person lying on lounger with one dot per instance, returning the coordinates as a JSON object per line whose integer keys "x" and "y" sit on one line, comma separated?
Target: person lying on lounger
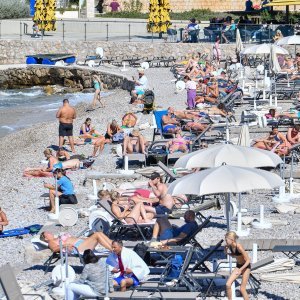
{"x": 72, "y": 242}
{"x": 170, "y": 123}
{"x": 166, "y": 234}
{"x": 178, "y": 143}
{"x": 130, "y": 211}
{"x": 134, "y": 143}
{"x": 275, "y": 142}
{"x": 43, "y": 172}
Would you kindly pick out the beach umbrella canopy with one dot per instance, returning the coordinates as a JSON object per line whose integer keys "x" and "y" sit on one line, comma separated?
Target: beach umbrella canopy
{"x": 274, "y": 64}
{"x": 244, "y": 136}
{"x": 232, "y": 155}
{"x": 289, "y": 40}
{"x": 225, "y": 179}
{"x": 239, "y": 43}
{"x": 264, "y": 49}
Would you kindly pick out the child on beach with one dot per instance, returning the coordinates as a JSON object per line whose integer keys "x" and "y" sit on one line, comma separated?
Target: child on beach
{"x": 97, "y": 86}
{"x": 191, "y": 87}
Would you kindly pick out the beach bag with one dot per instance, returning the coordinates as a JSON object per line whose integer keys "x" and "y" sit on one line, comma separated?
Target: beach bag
{"x": 141, "y": 250}
{"x": 175, "y": 267}
{"x": 118, "y": 137}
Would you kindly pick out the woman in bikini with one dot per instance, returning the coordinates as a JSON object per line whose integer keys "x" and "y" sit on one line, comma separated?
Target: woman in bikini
{"x": 131, "y": 212}
{"x": 243, "y": 267}
{"x": 275, "y": 142}
{"x": 97, "y": 86}
{"x": 73, "y": 243}
{"x": 91, "y": 135}
{"x": 43, "y": 172}
{"x": 178, "y": 144}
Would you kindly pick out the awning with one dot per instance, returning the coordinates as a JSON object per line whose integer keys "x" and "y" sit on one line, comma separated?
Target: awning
{"x": 283, "y": 3}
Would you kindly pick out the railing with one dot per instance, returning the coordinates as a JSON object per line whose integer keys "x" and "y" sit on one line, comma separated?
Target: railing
{"x": 136, "y": 30}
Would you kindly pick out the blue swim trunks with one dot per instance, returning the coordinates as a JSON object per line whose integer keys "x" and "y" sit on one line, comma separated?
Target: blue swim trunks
{"x": 167, "y": 127}
{"x": 121, "y": 277}
{"x": 298, "y": 114}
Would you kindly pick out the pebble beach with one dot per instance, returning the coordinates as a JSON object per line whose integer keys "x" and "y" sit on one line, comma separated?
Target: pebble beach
{"x": 21, "y": 197}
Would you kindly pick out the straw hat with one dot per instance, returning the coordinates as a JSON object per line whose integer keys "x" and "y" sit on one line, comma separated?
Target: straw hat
{"x": 141, "y": 71}
{"x": 135, "y": 132}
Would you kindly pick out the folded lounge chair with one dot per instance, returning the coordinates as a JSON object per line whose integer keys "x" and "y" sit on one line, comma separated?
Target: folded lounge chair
{"x": 10, "y": 285}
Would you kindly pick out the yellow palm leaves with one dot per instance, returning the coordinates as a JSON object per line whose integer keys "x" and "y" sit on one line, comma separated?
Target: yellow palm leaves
{"x": 44, "y": 15}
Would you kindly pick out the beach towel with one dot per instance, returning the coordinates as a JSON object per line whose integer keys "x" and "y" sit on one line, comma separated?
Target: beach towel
{"x": 32, "y": 229}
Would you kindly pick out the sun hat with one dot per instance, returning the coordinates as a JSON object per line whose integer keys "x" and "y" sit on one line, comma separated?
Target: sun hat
{"x": 141, "y": 71}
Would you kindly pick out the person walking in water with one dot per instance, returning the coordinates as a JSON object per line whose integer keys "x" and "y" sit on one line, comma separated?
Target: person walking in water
{"x": 66, "y": 114}
{"x": 97, "y": 86}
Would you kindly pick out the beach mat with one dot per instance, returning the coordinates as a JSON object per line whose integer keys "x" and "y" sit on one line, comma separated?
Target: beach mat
{"x": 32, "y": 229}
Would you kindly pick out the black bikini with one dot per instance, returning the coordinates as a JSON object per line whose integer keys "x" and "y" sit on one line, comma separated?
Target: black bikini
{"x": 238, "y": 253}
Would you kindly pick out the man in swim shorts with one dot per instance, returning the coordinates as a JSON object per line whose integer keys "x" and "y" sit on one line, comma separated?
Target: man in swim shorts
{"x": 3, "y": 220}
{"x": 66, "y": 114}
{"x": 170, "y": 123}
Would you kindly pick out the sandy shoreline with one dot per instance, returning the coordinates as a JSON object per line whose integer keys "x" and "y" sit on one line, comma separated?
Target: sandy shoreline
{"x": 20, "y": 197}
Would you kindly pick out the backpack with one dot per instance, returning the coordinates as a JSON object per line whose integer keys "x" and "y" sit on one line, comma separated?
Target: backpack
{"x": 175, "y": 267}
{"x": 149, "y": 97}
{"x": 141, "y": 250}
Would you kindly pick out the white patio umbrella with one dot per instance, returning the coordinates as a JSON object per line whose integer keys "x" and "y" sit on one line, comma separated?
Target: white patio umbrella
{"x": 239, "y": 44}
{"x": 244, "y": 136}
{"x": 264, "y": 49}
{"x": 233, "y": 155}
{"x": 225, "y": 179}
{"x": 289, "y": 40}
{"x": 274, "y": 64}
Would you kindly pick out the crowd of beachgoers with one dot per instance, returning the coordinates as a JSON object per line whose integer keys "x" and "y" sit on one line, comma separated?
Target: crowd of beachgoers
{"x": 97, "y": 137}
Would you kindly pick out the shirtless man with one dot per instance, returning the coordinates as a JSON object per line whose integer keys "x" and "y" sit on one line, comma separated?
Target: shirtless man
{"x": 181, "y": 114}
{"x": 66, "y": 114}
{"x": 3, "y": 220}
{"x": 170, "y": 123}
{"x": 159, "y": 189}
{"x": 72, "y": 242}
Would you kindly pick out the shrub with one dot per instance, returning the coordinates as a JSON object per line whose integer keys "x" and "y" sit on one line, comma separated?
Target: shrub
{"x": 133, "y": 6}
{"x": 13, "y": 9}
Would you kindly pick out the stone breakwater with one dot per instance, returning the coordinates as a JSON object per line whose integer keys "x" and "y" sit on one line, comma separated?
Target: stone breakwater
{"x": 72, "y": 77}
{"x": 14, "y": 52}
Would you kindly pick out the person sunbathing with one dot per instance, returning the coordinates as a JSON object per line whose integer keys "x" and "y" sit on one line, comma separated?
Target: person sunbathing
{"x": 129, "y": 120}
{"x": 43, "y": 172}
{"x": 293, "y": 135}
{"x": 194, "y": 126}
{"x": 130, "y": 211}
{"x": 71, "y": 242}
{"x": 166, "y": 234}
{"x": 88, "y": 132}
{"x": 212, "y": 91}
{"x": 178, "y": 143}
{"x": 134, "y": 143}
{"x": 181, "y": 114}
{"x": 62, "y": 154}
{"x": 170, "y": 123}
{"x": 275, "y": 142}
{"x": 3, "y": 220}
{"x": 220, "y": 109}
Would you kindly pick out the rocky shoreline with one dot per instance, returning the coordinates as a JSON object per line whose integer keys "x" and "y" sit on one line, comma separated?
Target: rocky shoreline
{"x": 73, "y": 78}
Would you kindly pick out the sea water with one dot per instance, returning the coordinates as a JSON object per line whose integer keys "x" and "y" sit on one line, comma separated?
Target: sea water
{"x": 25, "y": 107}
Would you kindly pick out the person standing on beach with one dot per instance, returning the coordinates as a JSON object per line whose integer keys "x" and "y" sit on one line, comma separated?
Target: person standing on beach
{"x": 3, "y": 220}
{"x": 97, "y": 96}
{"x": 66, "y": 114}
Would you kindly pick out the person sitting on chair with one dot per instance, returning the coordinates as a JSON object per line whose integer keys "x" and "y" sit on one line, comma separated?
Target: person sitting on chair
{"x": 134, "y": 143}
{"x": 141, "y": 84}
{"x": 293, "y": 135}
{"x": 74, "y": 243}
{"x": 65, "y": 190}
{"x": 166, "y": 234}
{"x": 128, "y": 266}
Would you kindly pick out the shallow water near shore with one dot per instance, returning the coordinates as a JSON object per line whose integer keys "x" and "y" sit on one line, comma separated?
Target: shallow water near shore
{"x": 22, "y": 108}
